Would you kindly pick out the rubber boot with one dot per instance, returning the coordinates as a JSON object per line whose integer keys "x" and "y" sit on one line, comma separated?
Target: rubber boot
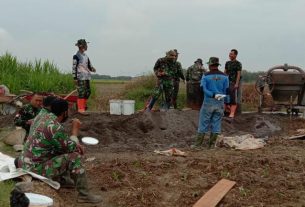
{"x": 84, "y": 195}
{"x": 81, "y": 105}
{"x": 232, "y": 111}
{"x": 86, "y": 106}
{"x": 212, "y": 141}
{"x": 66, "y": 181}
{"x": 151, "y": 104}
{"x": 199, "y": 141}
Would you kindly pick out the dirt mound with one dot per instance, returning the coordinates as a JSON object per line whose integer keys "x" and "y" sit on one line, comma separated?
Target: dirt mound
{"x": 161, "y": 130}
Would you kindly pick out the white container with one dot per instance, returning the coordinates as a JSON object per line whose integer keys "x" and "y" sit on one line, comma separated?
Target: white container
{"x": 128, "y": 107}
{"x": 37, "y": 200}
{"x": 115, "y": 107}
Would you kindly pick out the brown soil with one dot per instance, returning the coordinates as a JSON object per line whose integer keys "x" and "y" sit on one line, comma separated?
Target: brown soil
{"x": 126, "y": 172}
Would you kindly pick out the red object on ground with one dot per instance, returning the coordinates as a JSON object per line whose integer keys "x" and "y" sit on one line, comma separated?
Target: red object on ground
{"x": 71, "y": 99}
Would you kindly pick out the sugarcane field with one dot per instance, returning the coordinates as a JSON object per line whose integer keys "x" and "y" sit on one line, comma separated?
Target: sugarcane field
{"x": 152, "y": 103}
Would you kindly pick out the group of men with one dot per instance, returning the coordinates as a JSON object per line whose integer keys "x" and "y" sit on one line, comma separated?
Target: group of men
{"x": 49, "y": 151}
{"x": 168, "y": 71}
{"x": 221, "y": 90}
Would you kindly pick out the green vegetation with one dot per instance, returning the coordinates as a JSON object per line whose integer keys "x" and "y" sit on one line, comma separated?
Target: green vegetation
{"x": 108, "y": 81}
{"x": 6, "y": 188}
{"x": 250, "y": 77}
{"x": 37, "y": 76}
{"x": 108, "y": 77}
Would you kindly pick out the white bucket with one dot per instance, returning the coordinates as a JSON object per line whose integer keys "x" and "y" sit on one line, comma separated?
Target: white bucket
{"x": 115, "y": 107}
{"x": 128, "y": 107}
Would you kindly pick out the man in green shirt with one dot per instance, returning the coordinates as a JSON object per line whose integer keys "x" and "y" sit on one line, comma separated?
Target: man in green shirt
{"x": 28, "y": 112}
{"x": 50, "y": 152}
{"x": 233, "y": 69}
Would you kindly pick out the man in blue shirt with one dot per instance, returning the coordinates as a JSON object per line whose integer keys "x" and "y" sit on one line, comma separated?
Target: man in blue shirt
{"x": 215, "y": 85}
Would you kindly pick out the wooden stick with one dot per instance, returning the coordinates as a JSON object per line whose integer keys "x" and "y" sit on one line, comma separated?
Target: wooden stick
{"x": 26, "y": 91}
{"x": 67, "y": 96}
{"x": 215, "y": 194}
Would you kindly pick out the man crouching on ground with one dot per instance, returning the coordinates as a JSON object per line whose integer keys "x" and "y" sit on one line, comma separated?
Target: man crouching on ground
{"x": 50, "y": 152}
{"x": 215, "y": 85}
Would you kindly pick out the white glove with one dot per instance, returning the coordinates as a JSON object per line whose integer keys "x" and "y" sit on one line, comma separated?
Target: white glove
{"x": 219, "y": 97}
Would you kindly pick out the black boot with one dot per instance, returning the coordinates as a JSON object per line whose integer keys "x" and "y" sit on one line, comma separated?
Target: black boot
{"x": 212, "y": 141}
{"x": 66, "y": 181}
{"x": 84, "y": 195}
{"x": 199, "y": 141}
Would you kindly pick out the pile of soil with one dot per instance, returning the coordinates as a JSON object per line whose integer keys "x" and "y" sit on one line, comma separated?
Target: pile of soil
{"x": 162, "y": 130}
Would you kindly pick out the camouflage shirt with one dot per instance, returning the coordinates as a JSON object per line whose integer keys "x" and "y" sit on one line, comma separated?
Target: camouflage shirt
{"x": 163, "y": 65}
{"x": 232, "y": 67}
{"x": 194, "y": 73}
{"x": 178, "y": 72}
{"x": 25, "y": 114}
{"x": 46, "y": 140}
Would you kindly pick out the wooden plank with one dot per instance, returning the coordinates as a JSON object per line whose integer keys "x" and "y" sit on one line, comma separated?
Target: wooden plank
{"x": 215, "y": 194}
{"x": 296, "y": 137}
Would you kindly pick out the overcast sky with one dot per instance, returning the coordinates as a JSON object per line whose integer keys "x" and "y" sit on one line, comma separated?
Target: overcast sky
{"x": 127, "y": 36}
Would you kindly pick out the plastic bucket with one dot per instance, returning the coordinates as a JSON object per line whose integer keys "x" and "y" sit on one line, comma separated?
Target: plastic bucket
{"x": 115, "y": 107}
{"x": 128, "y": 107}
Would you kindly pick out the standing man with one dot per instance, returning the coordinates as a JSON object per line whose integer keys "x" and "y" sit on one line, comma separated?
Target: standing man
{"x": 215, "y": 85}
{"x": 28, "y": 112}
{"x": 81, "y": 71}
{"x": 50, "y": 152}
{"x": 233, "y": 69}
{"x": 178, "y": 74}
{"x": 193, "y": 90}
{"x": 164, "y": 73}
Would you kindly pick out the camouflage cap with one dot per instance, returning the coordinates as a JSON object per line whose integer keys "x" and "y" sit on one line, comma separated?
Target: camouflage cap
{"x": 199, "y": 60}
{"x": 213, "y": 61}
{"x": 171, "y": 53}
{"x": 81, "y": 42}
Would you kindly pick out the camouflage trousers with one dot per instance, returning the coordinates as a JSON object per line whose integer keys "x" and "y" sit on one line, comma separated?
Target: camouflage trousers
{"x": 83, "y": 89}
{"x": 166, "y": 86}
{"x": 59, "y": 165}
{"x": 175, "y": 92}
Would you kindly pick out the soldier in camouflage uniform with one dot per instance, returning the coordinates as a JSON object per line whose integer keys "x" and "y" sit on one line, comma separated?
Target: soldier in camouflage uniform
{"x": 50, "y": 152}
{"x": 195, "y": 72}
{"x": 193, "y": 91}
{"x": 178, "y": 74}
{"x": 46, "y": 106}
{"x": 28, "y": 112}
{"x": 81, "y": 70}
{"x": 164, "y": 72}
{"x": 233, "y": 69}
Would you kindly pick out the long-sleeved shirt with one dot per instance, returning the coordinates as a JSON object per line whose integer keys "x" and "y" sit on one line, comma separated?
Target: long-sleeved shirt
{"x": 178, "y": 72}
{"x": 82, "y": 67}
{"x": 46, "y": 140}
{"x": 212, "y": 83}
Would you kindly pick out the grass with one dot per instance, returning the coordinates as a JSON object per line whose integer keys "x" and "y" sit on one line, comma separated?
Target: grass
{"x": 5, "y": 189}
{"x": 37, "y": 76}
{"x": 99, "y": 81}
